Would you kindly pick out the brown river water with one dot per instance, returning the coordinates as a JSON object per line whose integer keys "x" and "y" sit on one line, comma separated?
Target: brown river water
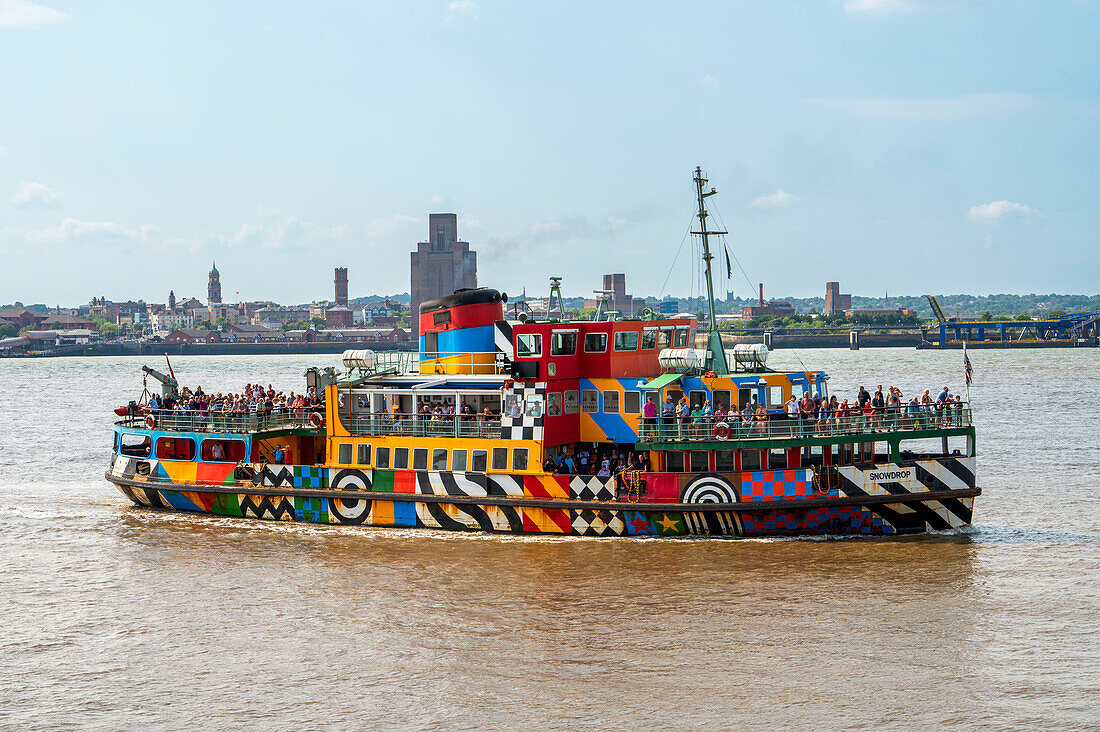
{"x": 117, "y": 617}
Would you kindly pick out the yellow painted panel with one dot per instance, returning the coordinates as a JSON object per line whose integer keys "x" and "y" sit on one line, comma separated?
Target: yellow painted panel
{"x": 180, "y": 472}
{"x": 381, "y": 513}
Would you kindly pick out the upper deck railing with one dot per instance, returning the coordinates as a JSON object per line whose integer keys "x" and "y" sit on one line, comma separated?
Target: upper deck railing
{"x": 771, "y": 427}
{"x": 175, "y": 421}
{"x": 420, "y": 425}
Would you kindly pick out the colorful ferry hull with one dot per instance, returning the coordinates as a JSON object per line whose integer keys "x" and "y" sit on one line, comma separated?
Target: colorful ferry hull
{"x": 878, "y": 500}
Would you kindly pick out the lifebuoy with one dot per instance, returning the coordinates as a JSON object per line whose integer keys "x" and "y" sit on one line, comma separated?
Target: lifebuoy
{"x": 722, "y": 430}
{"x": 317, "y": 420}
{"x": 150, "y": 422}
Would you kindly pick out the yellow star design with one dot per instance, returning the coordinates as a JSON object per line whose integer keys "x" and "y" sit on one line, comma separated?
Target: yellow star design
{"x": 668, "y": 524}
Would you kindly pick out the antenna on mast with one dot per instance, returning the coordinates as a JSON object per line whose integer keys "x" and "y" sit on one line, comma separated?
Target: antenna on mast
{"x": 718, "y": 363}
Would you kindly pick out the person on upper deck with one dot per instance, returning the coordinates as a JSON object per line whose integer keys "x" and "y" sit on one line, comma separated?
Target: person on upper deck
{"x": 863, "y": 398}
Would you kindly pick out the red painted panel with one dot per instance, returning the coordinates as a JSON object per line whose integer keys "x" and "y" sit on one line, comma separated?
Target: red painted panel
{"x": 404, "y": 481}
{"x": 659, "y": 488}
{"x": 213, "y": 473}
{"x": 463, "y": 316}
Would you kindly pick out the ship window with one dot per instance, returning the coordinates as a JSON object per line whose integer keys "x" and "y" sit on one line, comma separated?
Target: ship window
{"x": 681, "y": 337}
{"x": 553, "y": 404}
{"x": 481, "y": 461}
{"x": 674, "y": 462}
{"x": 528, "y": 345}
{"x": 458, "y": 461}
{"x": 590, "y": 401}
{"x": 441, "y": 317}
{"x": 439, "y": 458}
{"x": 632, "y": 402}
{"x": 724, "y": 461}
{"x": 519, "y": 458}
{"x": 114, "y": 443}
{"x": 649, "y": 339}
{"x": 401, "y": 458}
{"x": 222, "y": 451}
{"x": 775, "y": 396}
{"x": 611, "y": 402}
{"x": 744, "y": 396}
{"x": 696, "y": 399}
{"x": 563, "y": 344}
{"x": 798, "y": 390}
{"x": 700, "y": 461}
{"x": 595, "y": 342}
{"x": 664, "y": 340}
{"x": 344, "y": 454}
{"x": 175, "y": 448}
{"x": 721, "y": 397}
{"x": 571, "y": 400}
{"x": 626, "y": 340}
{"x": 777, "y": 458}
{"x": 363, "y": 456}
{"x": 533, "y": 406}
{"x": 382, "y": 458}
{"x": 135, "y": 445}
{"x": 420, "y": 458}
{"x": 750, "y": 460}
{"x": 500, "y": 458}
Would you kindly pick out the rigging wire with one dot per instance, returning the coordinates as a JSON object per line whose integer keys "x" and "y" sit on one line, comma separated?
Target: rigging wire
{"x": 672, "y": 267}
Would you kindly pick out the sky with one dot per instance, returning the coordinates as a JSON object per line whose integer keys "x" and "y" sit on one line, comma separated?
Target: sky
{"x": 908, "y": 146}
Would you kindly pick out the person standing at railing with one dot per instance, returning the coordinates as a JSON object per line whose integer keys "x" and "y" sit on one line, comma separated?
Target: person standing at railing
{"x": 697, "y": 419}
{"x": 761, "y": 418}
{"x": 792, "y": 409}
{"x": 668, "y": 415}
{"x": 806, "y": 408}
{"x": 748, "y": 416}
{"x": 649, "y": 416}
{"x": 878, "y": 406}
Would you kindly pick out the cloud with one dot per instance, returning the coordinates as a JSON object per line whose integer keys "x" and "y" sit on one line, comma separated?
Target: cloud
{"x": 283, "y": 233}
{"x": 74, "y": 232}
{"x": 389, "y": 226}
{"x": 460, "y": 7}
{"x": 710, "y": 81}
{"x": 23, "y": 14}
{"x": 3, "y": 150}
{"x": 965, "y": 106}
{"x": 996, "y": 210}
{"x": 779, "y": 199}
{"x": 879, "y": 7}
{"x": 35, "y": 194}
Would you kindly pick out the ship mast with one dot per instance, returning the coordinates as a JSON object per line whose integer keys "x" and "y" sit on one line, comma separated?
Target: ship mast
{"x": 718, "y": 363}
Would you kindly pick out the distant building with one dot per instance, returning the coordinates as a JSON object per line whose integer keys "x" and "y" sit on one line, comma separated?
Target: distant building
{"x": 834, "y": 301}
{"x": 22, "y": 317}
{"x": 668, "y": 307}
{"x": 338, "y": 317}
{"x": 878, "y": 311}
{"x": 190, "y": 335}
{"x": 440, "y": 265}
{"x": 342, "y": 286}
{"x": 776, "y": 308}
{"x": 171, "y": 299}
{"x": 170, "y": 320}
{"x": 214, "y": 286}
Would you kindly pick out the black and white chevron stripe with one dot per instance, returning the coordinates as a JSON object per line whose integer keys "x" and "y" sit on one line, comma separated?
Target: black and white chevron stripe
{"x": 917, "y": 514}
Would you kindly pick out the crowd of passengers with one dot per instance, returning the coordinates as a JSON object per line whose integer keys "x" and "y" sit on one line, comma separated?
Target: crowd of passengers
{"x": 879, "y": 410}
{"x": 602, "y": 461}
{"x": 253, "y": 399}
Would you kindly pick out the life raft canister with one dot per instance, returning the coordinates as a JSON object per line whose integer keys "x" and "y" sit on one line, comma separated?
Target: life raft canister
{"x": 722, "y": 430}
{"x": 317, "y": 420}
{"x": 150, "y": 422}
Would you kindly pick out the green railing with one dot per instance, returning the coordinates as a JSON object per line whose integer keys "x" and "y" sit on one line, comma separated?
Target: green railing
{"x": 414, "y": 425}
{"x": 783, "y": 427}
{"x": 219, "y": 422}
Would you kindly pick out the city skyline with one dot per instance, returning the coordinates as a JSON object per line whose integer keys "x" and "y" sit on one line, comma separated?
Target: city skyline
{"x": 860, "y": 143}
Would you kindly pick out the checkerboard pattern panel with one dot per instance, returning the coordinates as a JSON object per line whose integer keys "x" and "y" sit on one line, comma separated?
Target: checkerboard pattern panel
{"x": 309, "y": 477}
{"x": 777, "y": 485}
{"x": 815, "y": 522}
{"x": 524, "y": 427}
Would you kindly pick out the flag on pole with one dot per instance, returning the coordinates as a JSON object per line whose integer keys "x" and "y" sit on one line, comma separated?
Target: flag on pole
{"x": 729, "y": 268}
{"x": 968, "y": 370}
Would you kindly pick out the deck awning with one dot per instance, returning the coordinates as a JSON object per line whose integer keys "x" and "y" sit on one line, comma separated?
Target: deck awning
{"x": 661, "y": 382}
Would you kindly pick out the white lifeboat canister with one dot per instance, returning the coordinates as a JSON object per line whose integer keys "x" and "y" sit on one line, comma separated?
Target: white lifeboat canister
{"x": 362, "y": 359}
{"x": 682, "y": 359}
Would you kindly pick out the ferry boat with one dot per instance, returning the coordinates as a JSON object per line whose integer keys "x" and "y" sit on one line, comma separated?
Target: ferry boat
{"x": 514, "y": 394}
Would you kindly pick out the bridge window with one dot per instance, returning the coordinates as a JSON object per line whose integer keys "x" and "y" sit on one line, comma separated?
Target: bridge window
{"x": 480, "y": 461}
{"x": 563, "y": 344}
{"x": 664, "y": 339}
{"x": 500, "y": 458}
{"x": 458, "y": 461}
{"x": 681, "y": 337}
{"x": 135, "y": 445}
{"x": 611, "y": 402}
{"x": 222, "y": 451}
{"x": 420, "y": 458}
{"x": 401, "y": 458}
{"x": 632, "y": 402}
{"x": 590, "y": 401}
{"x": 344, "y": 454}
{"x": 175, "y": 448}
{"x": 528, "y": 345}
{"x": 595, "y": 342}
{"x": 363, "y": 456}
{"x": 439, "y": 459}
{"x": 626, "y": 340}
{"x": 519, "y": 458}
{"x": 649, "y": 339}
{"x": 382, "y": 458}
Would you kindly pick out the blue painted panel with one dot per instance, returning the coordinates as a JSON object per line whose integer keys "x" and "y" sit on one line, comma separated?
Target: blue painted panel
{"x": 404, "y": 513}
